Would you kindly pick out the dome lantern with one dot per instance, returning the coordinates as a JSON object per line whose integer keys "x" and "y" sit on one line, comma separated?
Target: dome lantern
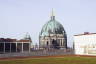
{"x": 52, "y": 15}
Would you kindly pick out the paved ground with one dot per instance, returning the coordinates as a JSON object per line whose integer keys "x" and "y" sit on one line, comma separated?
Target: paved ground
{"x": 14, "y": 58}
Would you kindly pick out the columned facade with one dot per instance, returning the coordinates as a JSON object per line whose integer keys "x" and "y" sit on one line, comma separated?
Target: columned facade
{"x": 47, "y": 41}
{"x": 14, "y": 46}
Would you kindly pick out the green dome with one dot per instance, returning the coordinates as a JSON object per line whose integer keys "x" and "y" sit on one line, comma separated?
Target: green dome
{"x": 52, "y": 27}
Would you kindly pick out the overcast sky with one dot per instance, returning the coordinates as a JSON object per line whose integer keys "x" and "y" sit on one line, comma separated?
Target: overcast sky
{"x": 20, "y": 16}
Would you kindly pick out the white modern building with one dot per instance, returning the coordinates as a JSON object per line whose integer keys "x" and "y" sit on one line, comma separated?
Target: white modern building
{"x": 85, "y": 44}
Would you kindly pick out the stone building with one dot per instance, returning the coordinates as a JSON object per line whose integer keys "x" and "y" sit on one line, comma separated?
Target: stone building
{"x": 53, "y": 35}
{"x": 13, "y": 45}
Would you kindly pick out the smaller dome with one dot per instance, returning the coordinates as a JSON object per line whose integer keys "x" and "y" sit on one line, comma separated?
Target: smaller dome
{"x": 27, "y": 37}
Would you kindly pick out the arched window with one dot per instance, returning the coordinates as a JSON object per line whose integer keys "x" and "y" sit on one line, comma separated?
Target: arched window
{"x": 47, "y": 43}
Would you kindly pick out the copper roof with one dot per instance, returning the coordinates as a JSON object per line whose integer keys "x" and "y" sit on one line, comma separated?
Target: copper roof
{"x": 23, "y": 40}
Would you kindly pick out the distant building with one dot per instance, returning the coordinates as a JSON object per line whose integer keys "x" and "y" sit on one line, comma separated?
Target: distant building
{"x": 85, "y": 44}
{"x": 13, "y": 45}
{"x": 53, "y": 35}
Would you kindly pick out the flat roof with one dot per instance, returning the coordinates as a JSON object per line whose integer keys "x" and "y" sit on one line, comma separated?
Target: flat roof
{"x": 85, "y": 33}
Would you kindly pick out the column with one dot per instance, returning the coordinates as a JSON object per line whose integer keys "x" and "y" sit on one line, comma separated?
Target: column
{"x": 10, "y": 47}
{"x": 49, "y": 43}
{"x": 29, "y": 46}
{"x": 4, "y": 47}
{"x": 16, "y": 46}
{"x": 22, "y": 47}
{"x": 63, "y": 43}
{"x": 60, "y": 42}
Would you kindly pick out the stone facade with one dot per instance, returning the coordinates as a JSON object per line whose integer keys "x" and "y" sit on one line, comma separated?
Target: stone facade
{"x": 48, "y": 41}
{"x": 13, "y": 45}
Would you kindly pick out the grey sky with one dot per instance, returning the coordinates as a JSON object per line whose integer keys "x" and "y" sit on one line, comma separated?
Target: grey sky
{"x": 20, "y": 16}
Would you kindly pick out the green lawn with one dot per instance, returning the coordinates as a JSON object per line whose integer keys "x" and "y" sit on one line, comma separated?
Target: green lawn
{"x": 54, "y": 60}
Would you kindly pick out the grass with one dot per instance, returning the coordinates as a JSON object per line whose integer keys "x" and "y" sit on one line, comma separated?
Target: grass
{"x": 52, "y": 60}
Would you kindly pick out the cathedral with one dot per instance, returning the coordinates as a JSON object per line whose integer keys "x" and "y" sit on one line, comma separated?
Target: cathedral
{"x": 53, "y": 35}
